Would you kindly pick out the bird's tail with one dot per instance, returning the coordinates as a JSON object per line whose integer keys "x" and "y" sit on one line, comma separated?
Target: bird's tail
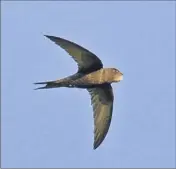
{"x": 48, "y": 84}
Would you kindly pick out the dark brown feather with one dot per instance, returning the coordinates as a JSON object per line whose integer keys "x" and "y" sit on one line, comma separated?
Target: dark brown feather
{"x": 86, "y": 60}
{"x": 102, "y": 102}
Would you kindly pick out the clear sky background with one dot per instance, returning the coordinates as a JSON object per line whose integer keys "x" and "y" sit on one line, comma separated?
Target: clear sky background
{"x": 54, "y": 128}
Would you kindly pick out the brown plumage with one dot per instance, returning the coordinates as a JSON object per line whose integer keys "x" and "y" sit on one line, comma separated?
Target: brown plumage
{"x": 91, "y": 76}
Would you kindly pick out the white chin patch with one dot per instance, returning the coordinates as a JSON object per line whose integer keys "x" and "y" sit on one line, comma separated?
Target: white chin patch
{"x": 121, "y": 77}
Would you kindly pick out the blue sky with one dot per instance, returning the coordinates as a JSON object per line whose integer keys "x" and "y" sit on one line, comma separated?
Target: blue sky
{"x": 54, "y": 128}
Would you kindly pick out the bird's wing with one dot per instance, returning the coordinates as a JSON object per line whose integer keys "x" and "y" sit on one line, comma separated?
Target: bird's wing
{"x": 87, "y": 61}
{"x": 102, "y": 102}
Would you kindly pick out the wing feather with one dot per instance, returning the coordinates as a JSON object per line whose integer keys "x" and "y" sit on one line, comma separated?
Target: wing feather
{"x": 102, "y": 102}
{"x": 86, "y": 60}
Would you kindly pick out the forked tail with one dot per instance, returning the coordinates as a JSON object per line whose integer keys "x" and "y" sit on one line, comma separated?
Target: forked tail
{"x": 65, "y": 82}
{"x": 48, "y": 84}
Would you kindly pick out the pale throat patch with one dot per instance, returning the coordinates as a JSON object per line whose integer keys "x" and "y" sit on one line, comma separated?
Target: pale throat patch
{"x": 121, "y": 77}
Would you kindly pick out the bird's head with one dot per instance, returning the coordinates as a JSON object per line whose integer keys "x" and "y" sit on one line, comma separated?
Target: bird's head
{"x": 117, "y": 75}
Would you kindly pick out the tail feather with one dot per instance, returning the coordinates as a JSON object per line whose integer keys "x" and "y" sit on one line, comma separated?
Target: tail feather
{"x": 41, "y": 83}
{"x": 49, "y": 84}
{"x": 40, "y": 88}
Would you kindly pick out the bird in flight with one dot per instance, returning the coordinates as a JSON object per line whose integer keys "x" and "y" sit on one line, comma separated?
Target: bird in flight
{"x": 91, "y": 76}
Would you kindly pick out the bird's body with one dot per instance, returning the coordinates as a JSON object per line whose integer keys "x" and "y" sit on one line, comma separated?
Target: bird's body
{"x": 91, "y": 76}
{"x": 88, "y": 80}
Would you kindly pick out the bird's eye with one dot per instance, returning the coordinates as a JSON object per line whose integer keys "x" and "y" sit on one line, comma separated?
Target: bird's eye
{"x": 114, "y": 70}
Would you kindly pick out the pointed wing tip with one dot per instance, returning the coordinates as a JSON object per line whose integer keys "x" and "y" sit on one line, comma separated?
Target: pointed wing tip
{"x": 54, "y": 38}
{"x": 48, "y": 36}
{"x": 96, "y": 145}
